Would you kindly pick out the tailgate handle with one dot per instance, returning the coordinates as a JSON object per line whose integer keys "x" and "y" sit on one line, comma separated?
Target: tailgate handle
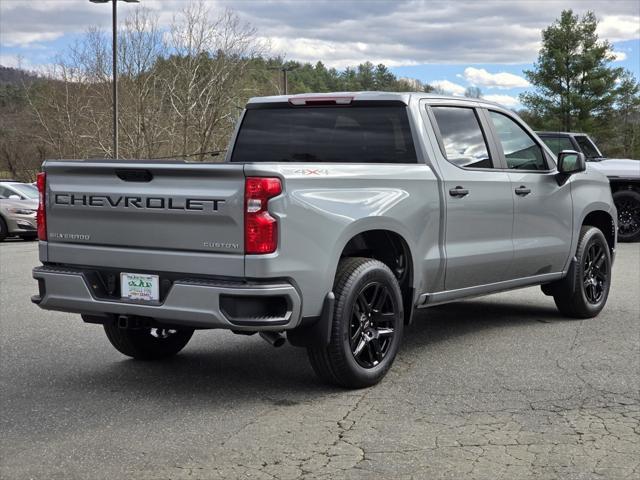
{"x": 134, "y": 175}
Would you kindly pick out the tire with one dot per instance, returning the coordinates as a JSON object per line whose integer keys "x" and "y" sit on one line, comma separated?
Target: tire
{"x": 141, "y": 344}
{"x": 584, "y": 291}
{"x": 628, "y": 205}
{"x": 367, "y": 326}
{"x": 4, "y": 231}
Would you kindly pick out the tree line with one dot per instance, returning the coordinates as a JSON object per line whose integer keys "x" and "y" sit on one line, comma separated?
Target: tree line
{"x": 182, "y": 90}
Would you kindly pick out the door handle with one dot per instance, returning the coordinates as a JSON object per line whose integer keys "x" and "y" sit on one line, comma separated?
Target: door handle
{"x": 523, "y": 191}
{"x": 458, "y": 192}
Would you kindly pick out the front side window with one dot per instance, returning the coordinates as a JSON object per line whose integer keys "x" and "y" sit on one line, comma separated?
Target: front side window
{"x": 349, "y": 134}
{"x": 464, "y": 142}
{"x": 520, "y": 151}
{"x": 558, "y": 144}
{"x": 587, "y": 147}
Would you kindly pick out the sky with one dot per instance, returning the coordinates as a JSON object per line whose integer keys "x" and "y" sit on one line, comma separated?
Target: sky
{"x": 452, "y": 45}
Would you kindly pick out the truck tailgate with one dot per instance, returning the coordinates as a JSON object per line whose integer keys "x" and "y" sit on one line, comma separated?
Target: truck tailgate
{"x": 173, "y": 206}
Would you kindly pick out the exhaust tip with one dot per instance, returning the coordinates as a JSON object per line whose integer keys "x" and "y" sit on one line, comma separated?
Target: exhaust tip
{"x": 274, "y": 338}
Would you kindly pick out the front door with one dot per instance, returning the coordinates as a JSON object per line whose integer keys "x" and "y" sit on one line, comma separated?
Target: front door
{"x": 543, "y": 216}
{"x": 479, "y": 203}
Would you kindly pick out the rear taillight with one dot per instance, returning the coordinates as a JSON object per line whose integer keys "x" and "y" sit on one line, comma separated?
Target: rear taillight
{"x": 260, "y": 228}
{"x": 41, "y": 217}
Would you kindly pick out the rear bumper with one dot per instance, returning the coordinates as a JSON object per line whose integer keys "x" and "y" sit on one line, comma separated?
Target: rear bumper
{"x": 193, "y": 303}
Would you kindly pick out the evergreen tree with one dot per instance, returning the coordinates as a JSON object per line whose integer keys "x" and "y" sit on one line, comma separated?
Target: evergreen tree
{"x": 574, "y": 84}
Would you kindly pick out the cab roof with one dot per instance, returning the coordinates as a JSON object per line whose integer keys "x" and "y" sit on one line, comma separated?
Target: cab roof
{"x": 403, "y": 97}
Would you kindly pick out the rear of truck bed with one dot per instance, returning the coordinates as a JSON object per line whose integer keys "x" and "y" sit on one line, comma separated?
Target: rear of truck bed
{"x": 163, "y": 241}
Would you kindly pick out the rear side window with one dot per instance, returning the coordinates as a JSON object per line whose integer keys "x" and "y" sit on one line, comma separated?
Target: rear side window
{"x": 353, "y": 134}
{"x": 464, "y": 142}
{"x": 520, "y": 151}
{"x": 558, "y": 144}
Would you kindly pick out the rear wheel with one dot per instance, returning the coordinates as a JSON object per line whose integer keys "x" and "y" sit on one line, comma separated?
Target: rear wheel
{"x": 583, "y": 293}
{"x": 147, "y": 343}
{"x": 367, "y": 325}
{"x": 628, "y": 205}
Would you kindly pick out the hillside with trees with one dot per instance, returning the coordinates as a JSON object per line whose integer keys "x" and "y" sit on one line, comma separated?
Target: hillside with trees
{"x": 182, "y": 90}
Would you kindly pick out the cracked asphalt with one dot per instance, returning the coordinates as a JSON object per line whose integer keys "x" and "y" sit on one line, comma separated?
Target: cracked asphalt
{"x": 501, "y": 387}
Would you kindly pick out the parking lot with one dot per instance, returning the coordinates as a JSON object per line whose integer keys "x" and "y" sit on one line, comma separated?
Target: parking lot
{"x": 501, "y": 387}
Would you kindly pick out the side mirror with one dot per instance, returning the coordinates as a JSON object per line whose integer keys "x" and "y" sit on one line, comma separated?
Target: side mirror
{"x": 15, "y": 197}
{"x": 570, "y": 162}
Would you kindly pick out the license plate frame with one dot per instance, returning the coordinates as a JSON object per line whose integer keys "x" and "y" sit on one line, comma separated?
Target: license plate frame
{"x": 140, "y": 287}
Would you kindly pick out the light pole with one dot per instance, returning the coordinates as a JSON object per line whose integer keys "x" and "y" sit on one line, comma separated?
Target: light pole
{"x": 285, "y": 81}
{"x": 114, "y": 26}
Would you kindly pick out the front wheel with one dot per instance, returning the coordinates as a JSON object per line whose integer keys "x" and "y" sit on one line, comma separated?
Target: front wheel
{"x": 4, "y": 231}
{"x": 367, "y": 325}
{"x": 147, "y": 343}
{"x": 628, "y": 205}
{"x": 584, "y": 291}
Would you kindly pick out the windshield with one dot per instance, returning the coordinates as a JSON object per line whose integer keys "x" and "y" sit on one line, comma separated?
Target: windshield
{"x": 558, "y": 144}
{"x": 353, "y": 134}
{"x": 26, "y": 190}
{"x": 588, "y": 147}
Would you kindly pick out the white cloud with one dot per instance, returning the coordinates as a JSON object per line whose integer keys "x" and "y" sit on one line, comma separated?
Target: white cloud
{"x": 617, "y": 28}
{"x": 335, "y": 54}
{"x": 449, "y": 87}
{"x": 505, "y": 100}
{"x": 13, "y": 61}
{"x": 402, "y": 32}
{"x": 619, "y": 56}
{"x": 22, "y": 39}
{"x": 479, "y": 77}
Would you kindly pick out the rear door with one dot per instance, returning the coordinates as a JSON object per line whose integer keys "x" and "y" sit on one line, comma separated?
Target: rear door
{"x": 479, "y": 203}
{"x": 543, "y": 217}
{"x": 175, "y": 206}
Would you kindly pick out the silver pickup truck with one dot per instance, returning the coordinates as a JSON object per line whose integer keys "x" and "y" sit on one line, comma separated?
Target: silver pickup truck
{"x": 333, "y": 218}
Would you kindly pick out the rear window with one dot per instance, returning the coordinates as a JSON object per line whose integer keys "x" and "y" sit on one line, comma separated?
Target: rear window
{"x": 353, "y": 134}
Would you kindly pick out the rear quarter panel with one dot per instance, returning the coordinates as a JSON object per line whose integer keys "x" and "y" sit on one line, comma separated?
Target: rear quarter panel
{"x": 325, "y": 205}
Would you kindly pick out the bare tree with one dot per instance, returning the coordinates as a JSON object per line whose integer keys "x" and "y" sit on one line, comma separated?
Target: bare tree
{"x": 209, "y": 56}
{"x": 178, "y": 88}
{"x": 143, "y": 126}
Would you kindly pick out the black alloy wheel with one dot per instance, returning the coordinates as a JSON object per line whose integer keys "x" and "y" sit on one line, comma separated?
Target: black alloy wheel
{"x": 595, "y": 273}
{"x": 366, "y": 328}
{"x": 372, "y": 324}
{"x": 628, "y": 205}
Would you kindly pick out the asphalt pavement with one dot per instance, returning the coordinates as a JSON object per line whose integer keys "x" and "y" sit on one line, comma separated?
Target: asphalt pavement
{"x": 501, "y": 387}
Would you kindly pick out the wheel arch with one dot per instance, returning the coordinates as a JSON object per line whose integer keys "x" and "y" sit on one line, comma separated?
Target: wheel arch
{"x": 605, "y": 222}
{"x": 388, "y": 244}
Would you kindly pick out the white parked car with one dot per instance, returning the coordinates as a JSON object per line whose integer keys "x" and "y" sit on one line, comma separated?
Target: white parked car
{"x": 18, "y": 206}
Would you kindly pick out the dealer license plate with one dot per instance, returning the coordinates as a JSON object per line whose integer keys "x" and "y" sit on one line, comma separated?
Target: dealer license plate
{"x": 136, "y": 286}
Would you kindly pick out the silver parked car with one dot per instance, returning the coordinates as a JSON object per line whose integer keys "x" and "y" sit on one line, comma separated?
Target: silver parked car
{"x": 18, "y": 206}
